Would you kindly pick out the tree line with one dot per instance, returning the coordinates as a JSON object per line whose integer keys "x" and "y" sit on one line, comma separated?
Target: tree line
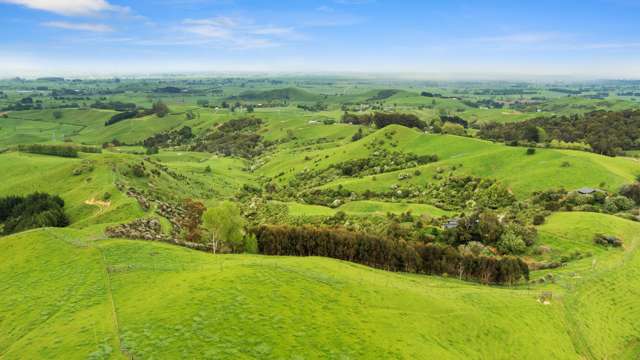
{"x": 381, "y": 120}
{"x": 606, "y": 132}
{"x": 19, "y": 213}
{"x": 387, "y": 254}
{"x": 158, "y": 108}
{"x": 70, "y": 151}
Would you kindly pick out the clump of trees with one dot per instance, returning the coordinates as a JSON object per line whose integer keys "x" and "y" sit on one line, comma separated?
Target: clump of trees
{"x": 170, "y": 138}
{"x": 454, "y": 119}
{"x": 158, "y": 108}
{"x": 318, "y": 106}
{"x": 121, "y": 117}
{"x": 607, "y": 240}
{"x": 19, "y": 213}
{"x": 114, "y": 105}
{"x": 598, "y": 201}
{"x": 381, "y": 120}
{"x": 387, "y": 254}
{"x": 54, "y": 150}
{"x": 234, "y": 138}
{"x": 484, "y": 227}
{"x": 456, "y": 192}
{"x": 606, "y": 132}
{"x": 224, "y": 225}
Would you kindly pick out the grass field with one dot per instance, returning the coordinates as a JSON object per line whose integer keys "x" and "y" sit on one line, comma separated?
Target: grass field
{"x": 114, "y": 298}
{"x": 521, "y": 172}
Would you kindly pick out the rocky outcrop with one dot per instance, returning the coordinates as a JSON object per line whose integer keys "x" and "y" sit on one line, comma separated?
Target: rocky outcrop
{"x": 141, "y": 229}
{"x": 151, "y": 230}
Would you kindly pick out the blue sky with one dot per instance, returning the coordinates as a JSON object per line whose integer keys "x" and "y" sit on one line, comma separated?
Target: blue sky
{"x": 456, "y": 38}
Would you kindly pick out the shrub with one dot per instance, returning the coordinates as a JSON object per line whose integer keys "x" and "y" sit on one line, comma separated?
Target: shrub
{"x": 358, "y": 135}
{"x": 632, "y": 192}
{"x": 137, "y": 170}
{"x": 531, "y": 151}
{"x": 614, "y": 204}
{"x": 250, "y": 244}
{"x": 55, "y": 150}
{"x": 538, "y": 219}
{"x": 32, "y": 211}
{"x": 511, "y": 242}
{"x": 607, "y": 240}
{"x": 453, "y": 129}
{"x": 121, "y": 117}
{"x": 160, "y": 109}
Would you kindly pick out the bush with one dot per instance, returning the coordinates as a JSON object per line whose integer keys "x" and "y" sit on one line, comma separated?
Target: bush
{"x": 531, "y": 151}
{"x": 538, "y": 219}
{"x": 137, "y": 170}
{"x": 607, "y": 240}
{"x": 55, "y": 150}
{"x": 120, "y": 117}
{"x": 511, "y": 243}
{"x": 614, "y": 204}
{"x": 250, "y": 244}
{"x": 632, "y": 192}
{"x": 32, "y": 211}
{"x": 160, "y": 109}
{"x": 453, "y": 129}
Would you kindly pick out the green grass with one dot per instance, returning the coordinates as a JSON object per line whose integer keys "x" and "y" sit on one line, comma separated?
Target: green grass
{"x": 523, "y": 173}
{"x": 365, "y": 208}
{"x": 171, "y": 302}
{"x": 27, "y": 173}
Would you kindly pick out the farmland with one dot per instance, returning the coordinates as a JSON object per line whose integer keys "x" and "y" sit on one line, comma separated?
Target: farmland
{"x": 367, "y": 164}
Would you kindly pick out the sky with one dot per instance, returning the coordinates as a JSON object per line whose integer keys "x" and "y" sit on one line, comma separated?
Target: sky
{"x": 440, "y": 39}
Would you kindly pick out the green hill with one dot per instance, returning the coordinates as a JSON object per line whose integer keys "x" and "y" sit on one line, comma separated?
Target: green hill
{"x": 73, "y": 296}
{"x": 289, "y": 94}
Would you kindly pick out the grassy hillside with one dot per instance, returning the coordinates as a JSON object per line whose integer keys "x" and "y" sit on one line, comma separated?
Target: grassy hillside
{"x": 548, "y": 168}
{"x": 27, "y": 173}
{"x": 243, "y": 306}
{"x": 195, "y": 306}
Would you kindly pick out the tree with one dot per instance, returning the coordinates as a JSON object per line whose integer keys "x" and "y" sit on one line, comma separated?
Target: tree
{"x": 160, "y": 109}
{"x": 632, "y": 191}
{"x": 511, "y": 242}
{"x": 358, "y": 135}
{"x": 192, "y": 220}
{"x": 57, "y": 114}
{"x": 225, "y": 225}
{"x": 453, "y": 129}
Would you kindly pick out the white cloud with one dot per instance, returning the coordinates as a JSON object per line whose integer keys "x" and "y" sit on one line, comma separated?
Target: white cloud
{"x": 238, "y": 32}
{"x": 69, "y": 7}
{"x": 521, "y": 38}
{"x": 78, "y": 26}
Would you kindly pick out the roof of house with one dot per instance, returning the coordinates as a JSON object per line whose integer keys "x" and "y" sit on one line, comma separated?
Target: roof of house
{"x": 452, "y": 223}
{"x": 586, "y": 190}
